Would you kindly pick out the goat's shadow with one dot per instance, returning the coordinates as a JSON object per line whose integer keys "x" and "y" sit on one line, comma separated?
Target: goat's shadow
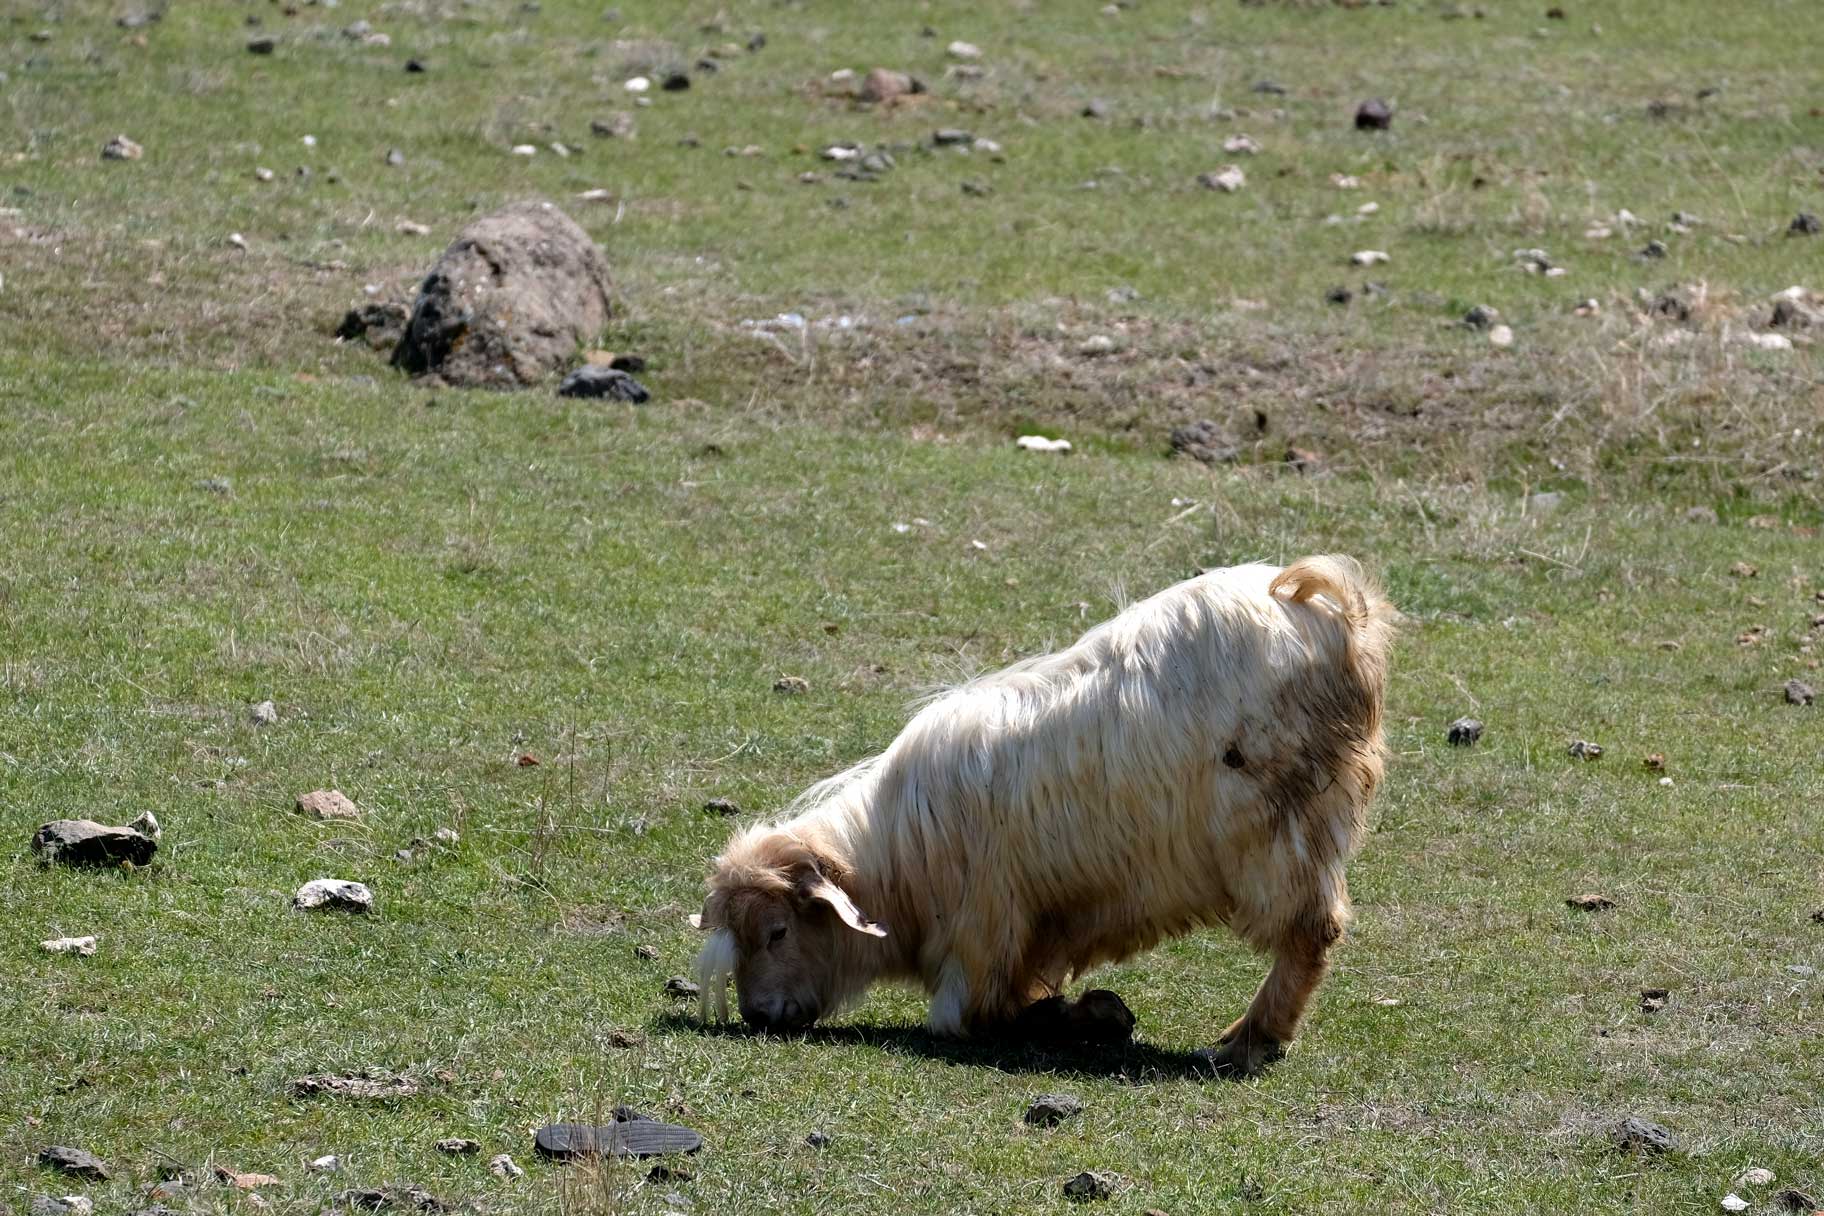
{"x": 1132, "y": 1062}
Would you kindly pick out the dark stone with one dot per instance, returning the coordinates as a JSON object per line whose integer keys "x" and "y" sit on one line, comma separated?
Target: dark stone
{"x": 1049, "y": 1110}
{"x": 1271, "y": 88}
{"x": 632, "y": 1138}
{"x": 1654, "y": 249}
{"x": 1798, "y": 692}
{"x": 722, "y": 806}
{"x": 138, "y": 19}
{"x": 818, "y": 1139}
{"x": 946, "y": 136}
{"x": 416, "y": 66}
{"x": 1652, "y": 1000}
{"x": 678, "y": 986}
{"x": 1464, "y": 732}
{"x": 1373, "y": 115}
{"x": 1793, "y": 1200}
{"x": 756, "y": 42}
{"x": 75, "y": 1162}
{"x": 1480, "y": 317}
{"x": 1804, "y": 224}
{"x": 1672, "y": 307}
{"x": 1338, "y": 295}
{"x": 675, "y": 82}
{"x": 83, "y": 842}
{"x": 668, "y": 1173}
{"x": 1634, "y": 1135}
{"x": 265, "y": 44}
{"x": 633, "y": 365}
{"x": 594, "y": 380}
{"x": 509, "y": 302}
{"x": 1090, "y": 1184}
{"x": 1096, "y": 108}
{"x": 377, "y": 324}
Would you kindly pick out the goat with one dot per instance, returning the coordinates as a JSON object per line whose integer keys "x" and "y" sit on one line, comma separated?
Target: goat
{"x": 1206, "y": 756}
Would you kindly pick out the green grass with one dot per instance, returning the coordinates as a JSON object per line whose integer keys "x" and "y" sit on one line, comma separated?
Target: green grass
{"x": 207, "y": 503}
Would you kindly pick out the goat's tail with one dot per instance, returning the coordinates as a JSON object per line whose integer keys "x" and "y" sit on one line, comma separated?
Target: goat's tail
{"x": 1349, "y": 591}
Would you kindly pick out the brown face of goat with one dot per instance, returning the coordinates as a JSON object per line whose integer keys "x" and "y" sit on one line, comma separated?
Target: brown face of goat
{"x": 789, "y": 944}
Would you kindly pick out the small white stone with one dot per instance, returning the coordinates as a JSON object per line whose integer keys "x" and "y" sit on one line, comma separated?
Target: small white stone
{"x": 1598, "y": 232}
{"x": 1502, "y": 336}
{"x": 1367, "y": 208}
{"x": 84, "y": 946}
{"x": 1665, "y": 782}
{"x": 502, "y": 1166}
{"x": 1345, "y": 181}
{"x": 262, "y": 174}
{"x": 840, "y": 152}
{"x": 523, "y": 150}
{"x": 334, "y": 893}
{"x": 1096, "y": 344}
{"x": 963, "y": 50}
{"x": 842, "y": 75}
{"x": 446, "y": 836}
{"x": 309, "y": 141}
{"x": 561, "y": 150}
{"x": 1369, "y": 257}
{"x": 237, "y": 240}
{"x": 147, "y": 825}
{"x": 1241, "y": 145}
{"x": 1227, "y": 179}
{"x": 264, "y": 714}
{"x": 637, "y": 84}
{"x": 1734, "y": 1203}
{"x": 1039, "y": 443}
{"x": 1758, "y": 1176}
{"x": 413, "y": 228}
{"x": 597, "y": 195}
{"x": 326, "y": 1165}
{"x": 1768, "y": 341}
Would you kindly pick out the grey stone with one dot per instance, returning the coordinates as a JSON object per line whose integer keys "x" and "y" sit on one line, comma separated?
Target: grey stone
{"x": 457, "y": 1146}
{"x": 83, "y": 842}
{"x": 510, "y": 301}
{"x": 1804, "y": 224}
{"x": 1798, "y": 692}
{"x": 594, "y": 380}
{"x": 1480, "y": 317}
{"x": 722, "y": 806}
{"x": 1373, "y": 115}
{"x": 1203, "y": 441}
{"x": 817, "y": 1139}
{"x": 1636, "y": 1135}
{"x": 678, "y": 986}
{"x": 1464, "y": 732}
{"x": 75, "y": 1162}
{"x": 1049, "y": 1110}
{"x": 378, "y": 325}
{"x": 264, "y": 44}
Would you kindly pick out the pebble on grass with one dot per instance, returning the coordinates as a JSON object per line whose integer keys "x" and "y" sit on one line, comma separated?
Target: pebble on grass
{"x": 1091, "y": 1184}
{"x": 1798, "y": 692}
{"x": 1637, "y": 1135}
{"x": 74, "y": 1162}
{"x": 1590, "y": 902}
{"x": 1464, "y": 732}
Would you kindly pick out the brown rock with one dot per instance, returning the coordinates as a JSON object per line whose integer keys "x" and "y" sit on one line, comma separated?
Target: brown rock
{"x": 884, "y": 84}
{"x": 327, "y": 804}
{"x": 509, "y": 303}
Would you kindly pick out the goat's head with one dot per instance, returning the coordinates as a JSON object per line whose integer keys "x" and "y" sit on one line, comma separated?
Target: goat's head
{"x": 783, "y": 929}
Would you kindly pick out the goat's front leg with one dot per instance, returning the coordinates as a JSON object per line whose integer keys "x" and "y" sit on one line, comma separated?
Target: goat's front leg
{"x": 1258, "y": 1038}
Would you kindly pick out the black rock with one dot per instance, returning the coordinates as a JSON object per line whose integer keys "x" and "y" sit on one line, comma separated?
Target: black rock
{"x": 1373, "y": 115}
{"x": 708, "y": 66}
{"x": 946, "y": 136}
{"x": 1794, "y": 1200}
{"x": 1798, "y": 692}
{"x": 1272, "y": 88}
{"x": 1464, "y": 732}
{"x": 1088, "y": 1185}
{"x": 817, "y": 1139}
{"x": 1804, "y": 224}
{"x": 1338, "y": 295}
{"x": 756, "y": 42}
{"x": 631, "y": 364}
{"x": 678, "y": 986}
{"x": 379, "y": 325}
{"x": 631, "y": 1138}
{"x": 265, "y": 44}
{"x": 1654, "y": 249}
{"x": 76, "y": 1162}
{"x": 675, "y": 82}
{"x": 722, "y": 806}
{"x": 83, "y": 842}
{"x": 1633, "y": 1135}
{"x": 1672, "y": 307}
{"x": 593, "y": 380}
{"x": 1096, "y": 108}
{"x": 1480, "y": 317}
{"x": 416, "y": 66}
{"x": 1049, "y": 1110}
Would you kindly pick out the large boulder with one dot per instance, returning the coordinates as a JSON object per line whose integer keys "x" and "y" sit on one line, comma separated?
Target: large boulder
{"x": 509, "y": 303}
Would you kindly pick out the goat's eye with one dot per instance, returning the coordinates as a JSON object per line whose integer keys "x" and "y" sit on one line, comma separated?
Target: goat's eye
{"x": 776, "y": 936}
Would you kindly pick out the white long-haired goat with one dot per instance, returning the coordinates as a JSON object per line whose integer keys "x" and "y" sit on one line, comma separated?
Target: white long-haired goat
{"x": 1206, "y": 756}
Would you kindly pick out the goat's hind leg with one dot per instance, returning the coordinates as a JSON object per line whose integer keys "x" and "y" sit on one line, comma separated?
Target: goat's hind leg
{"x": 1258, "y": 1038}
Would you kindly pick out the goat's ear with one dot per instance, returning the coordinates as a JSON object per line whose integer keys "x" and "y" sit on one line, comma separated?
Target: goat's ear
{"x": 820, "y": 888}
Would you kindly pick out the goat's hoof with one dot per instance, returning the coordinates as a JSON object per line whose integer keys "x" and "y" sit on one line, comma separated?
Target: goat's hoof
{"x": 1242, "y": 1057}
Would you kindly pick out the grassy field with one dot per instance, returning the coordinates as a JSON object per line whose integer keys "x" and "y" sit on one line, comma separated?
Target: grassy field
{"x": 208, "y": 502}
